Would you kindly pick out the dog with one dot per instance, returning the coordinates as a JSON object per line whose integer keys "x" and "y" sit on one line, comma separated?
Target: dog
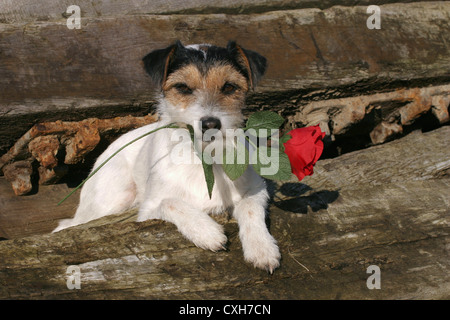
{"x": 199, "y": 83}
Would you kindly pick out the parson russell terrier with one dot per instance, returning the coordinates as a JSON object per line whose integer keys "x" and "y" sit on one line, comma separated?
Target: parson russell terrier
{"x": 205, "y": 84}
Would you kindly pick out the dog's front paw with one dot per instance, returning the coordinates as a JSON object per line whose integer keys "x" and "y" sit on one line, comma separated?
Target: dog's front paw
{"x": 202, "y": 230}
{"x": 263, "y": 253}
{"x": 207, "y": 235}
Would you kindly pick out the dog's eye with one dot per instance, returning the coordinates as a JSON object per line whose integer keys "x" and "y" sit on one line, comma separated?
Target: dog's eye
{"x": 229, "y": 88}
{"x": 183, "y": 88}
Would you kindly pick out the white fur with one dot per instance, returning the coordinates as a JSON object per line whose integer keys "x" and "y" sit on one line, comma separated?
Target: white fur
{"x": 143, "y": 175}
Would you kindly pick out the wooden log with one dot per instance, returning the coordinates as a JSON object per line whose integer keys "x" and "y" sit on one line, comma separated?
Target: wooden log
{"x": 309, "y": 48}
{"x": 48, "y": 70}
{"x": 415, "y": 157}
{"x": 386, "y": 206}
{"x": 21, "y": 11}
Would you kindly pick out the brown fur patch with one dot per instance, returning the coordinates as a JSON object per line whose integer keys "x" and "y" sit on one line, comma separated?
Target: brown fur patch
{"x": 188, "y": 75}
{"x": 246, "y": 63}
{"x": 207, "y": 86}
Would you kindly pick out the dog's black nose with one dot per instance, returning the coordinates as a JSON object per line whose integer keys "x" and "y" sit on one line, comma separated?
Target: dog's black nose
{"x": 210, "y": 123}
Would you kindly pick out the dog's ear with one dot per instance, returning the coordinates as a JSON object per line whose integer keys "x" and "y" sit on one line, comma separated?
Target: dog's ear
{"x": 157, "y": 63}
{"x": 252, "y": 62}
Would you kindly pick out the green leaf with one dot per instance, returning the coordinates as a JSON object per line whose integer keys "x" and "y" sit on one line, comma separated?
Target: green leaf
{"x": 285, "y": 170}
{"x": 209, "y": 177}
{"x": 235, "y": 169}
{"x": 264, "y": 120}
{"x": 274, "y": 166}
{"x": 207, "y": 165}
{"x": 284, "y": 138}
{"x": 191, "y": 132}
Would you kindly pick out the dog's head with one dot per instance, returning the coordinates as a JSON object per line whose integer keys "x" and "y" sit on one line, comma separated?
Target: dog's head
{"x": 204, "y": 84}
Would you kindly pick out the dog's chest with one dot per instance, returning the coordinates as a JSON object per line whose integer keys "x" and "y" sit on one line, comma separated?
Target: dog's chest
{"x": 159, "y": 177}
{"x": 188, "y": 182}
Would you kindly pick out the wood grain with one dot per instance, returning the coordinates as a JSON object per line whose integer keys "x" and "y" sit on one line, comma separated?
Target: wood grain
{"x": 364, "y": 208}
{"x": 49, "y": 72}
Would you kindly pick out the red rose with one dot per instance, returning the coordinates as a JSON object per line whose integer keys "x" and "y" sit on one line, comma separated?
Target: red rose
{"x": 304, "y": 149}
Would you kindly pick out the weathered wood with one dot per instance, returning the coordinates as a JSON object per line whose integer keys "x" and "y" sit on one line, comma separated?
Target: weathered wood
{"x": 415, "y": 157}
{"x": 49, "y": 71}
{"x": 306, "y": 48}
{"x": 36, "y": 213}
{"x": 44, "y": 143}
{"x": 387, "y": 205}
{"x": 21, "y": 11}
{"x": 384, "y": 114}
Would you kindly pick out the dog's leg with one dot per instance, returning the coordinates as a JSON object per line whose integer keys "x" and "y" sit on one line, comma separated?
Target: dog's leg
{"x": 259, "y": 246}
{"x": 194, "y": 224}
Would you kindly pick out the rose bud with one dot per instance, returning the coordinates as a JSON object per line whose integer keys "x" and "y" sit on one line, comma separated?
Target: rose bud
{"x": 304, "y": 149}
